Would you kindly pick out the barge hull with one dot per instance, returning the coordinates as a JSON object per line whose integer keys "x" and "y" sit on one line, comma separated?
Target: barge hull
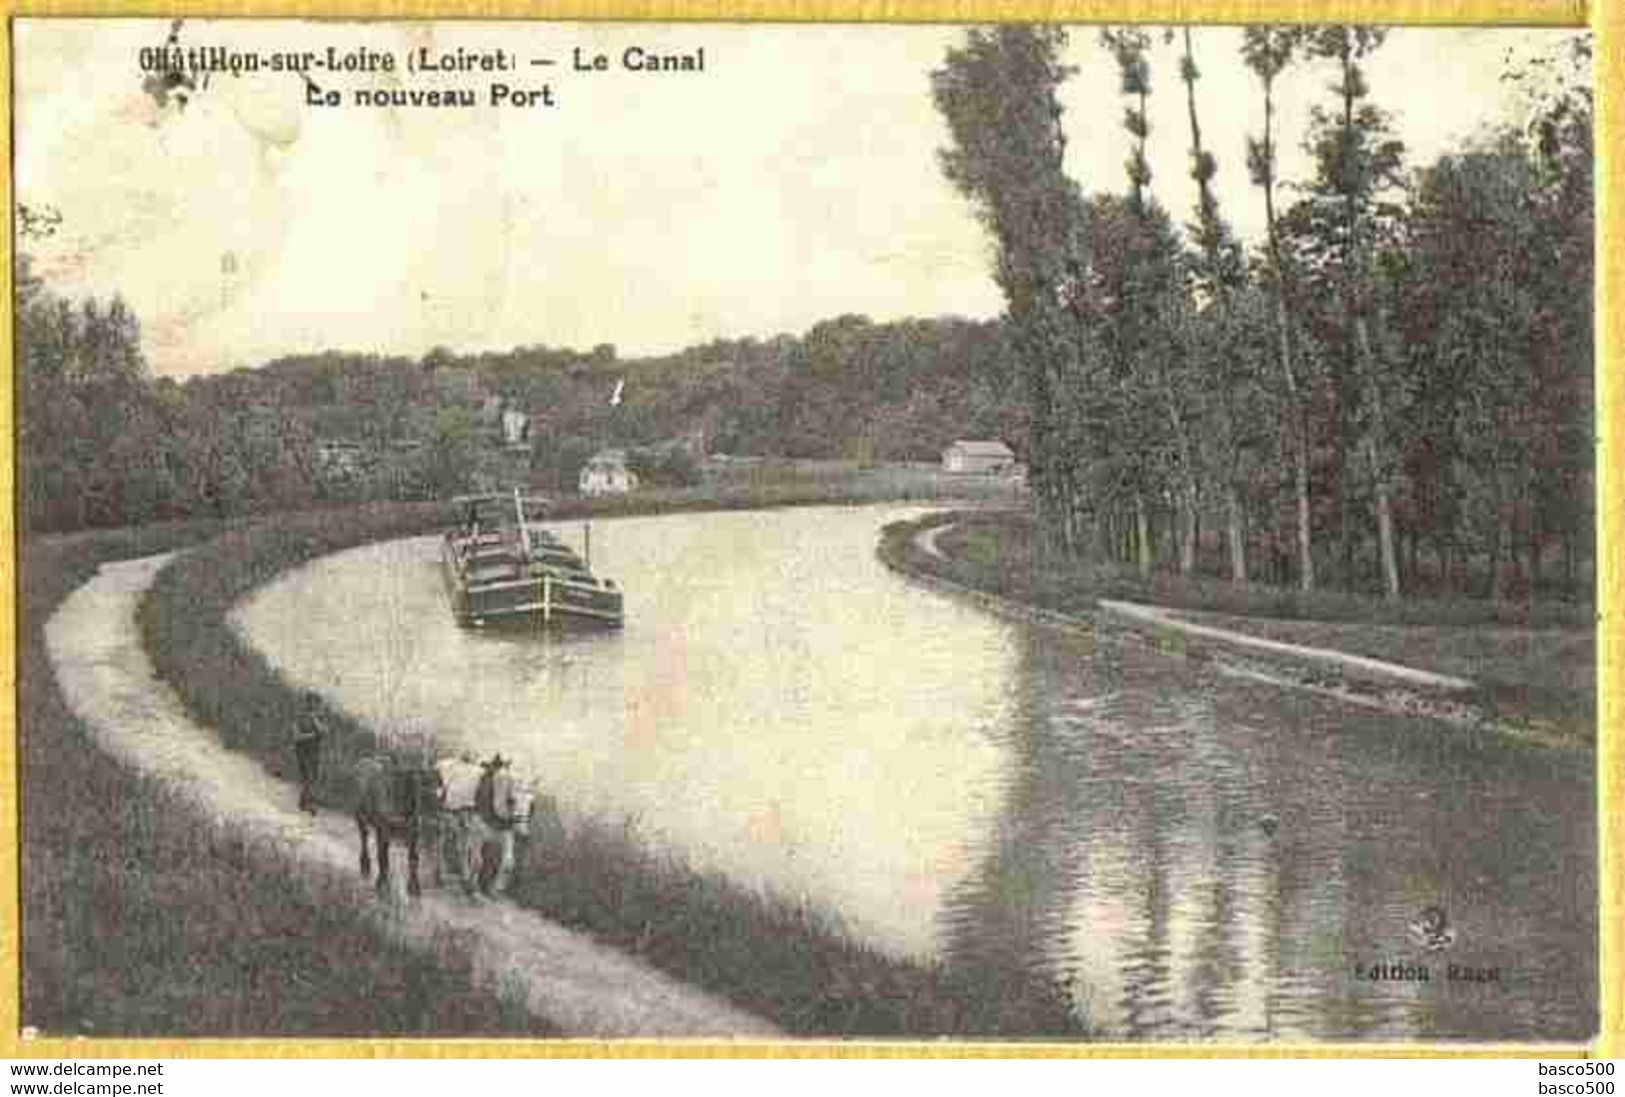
{"x": 542, "y": 600}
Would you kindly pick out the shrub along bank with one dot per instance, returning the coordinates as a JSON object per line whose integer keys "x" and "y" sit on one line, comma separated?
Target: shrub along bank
{"x": 781, "y": 959}
{"x": 141, "y": 919}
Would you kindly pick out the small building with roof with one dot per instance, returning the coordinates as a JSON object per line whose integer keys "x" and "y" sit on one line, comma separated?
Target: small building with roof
{"x": 606, "y": 473}
{"x": 978, "y": 455}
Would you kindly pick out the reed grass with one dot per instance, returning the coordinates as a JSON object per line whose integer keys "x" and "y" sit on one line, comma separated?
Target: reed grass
{"x": 786, "y": 960}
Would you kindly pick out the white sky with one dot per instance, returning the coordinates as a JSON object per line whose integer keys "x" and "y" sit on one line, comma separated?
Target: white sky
{"x": 795, "y": 180}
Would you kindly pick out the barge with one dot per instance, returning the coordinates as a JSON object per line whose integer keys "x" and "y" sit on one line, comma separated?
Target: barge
{"x": 502, "y": 568}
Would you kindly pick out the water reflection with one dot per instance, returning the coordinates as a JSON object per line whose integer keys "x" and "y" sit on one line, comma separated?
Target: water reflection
{"x": 1199, "y": 858}
{"x": 1182, "y": 855}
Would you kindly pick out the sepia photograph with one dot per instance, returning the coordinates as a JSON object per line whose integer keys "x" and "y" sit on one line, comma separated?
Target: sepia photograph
{"x": 786, "y": 533}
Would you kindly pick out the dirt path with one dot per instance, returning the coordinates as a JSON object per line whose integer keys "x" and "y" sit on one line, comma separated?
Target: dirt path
{"x": 1356, "y": 679}
{"x": 926, "y": 541}
{"x": 587, "y": 990}
{"x": 1156, "y": 615}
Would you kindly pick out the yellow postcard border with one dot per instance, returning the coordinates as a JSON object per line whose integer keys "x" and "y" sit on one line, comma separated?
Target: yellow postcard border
{"x": 1607, "y": 20}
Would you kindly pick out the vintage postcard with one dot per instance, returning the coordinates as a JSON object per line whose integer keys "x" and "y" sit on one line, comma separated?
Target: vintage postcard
{"x": 806, "y": 532}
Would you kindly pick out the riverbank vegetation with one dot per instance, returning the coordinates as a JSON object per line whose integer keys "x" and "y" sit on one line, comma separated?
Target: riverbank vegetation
{"x": 140, "y": 918}
{"x": 1533, "y": 664}
{"x": 103, "y": 443}
{"x": 1390, "y": 393}
{"x": 776, "y": 956}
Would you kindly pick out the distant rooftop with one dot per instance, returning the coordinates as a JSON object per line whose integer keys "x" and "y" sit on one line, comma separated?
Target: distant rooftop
{"x": 982, "y": 448}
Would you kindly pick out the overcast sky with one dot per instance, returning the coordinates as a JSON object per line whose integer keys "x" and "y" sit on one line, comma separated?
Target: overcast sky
{"x": 795, "y": 179}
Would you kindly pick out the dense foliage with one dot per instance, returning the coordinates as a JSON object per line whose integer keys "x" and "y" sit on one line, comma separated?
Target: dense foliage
{"x": 104, "y": 444}
{"x": 1392, "y": 391}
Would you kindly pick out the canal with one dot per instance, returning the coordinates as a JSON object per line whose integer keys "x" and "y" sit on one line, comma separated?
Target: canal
{"x": 1189, "y": 856}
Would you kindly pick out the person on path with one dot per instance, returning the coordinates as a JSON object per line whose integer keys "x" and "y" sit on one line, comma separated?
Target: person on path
{"x": 459, "y": 782}
{"x": 309, "y": 729}
{"x": 495, "y": 805}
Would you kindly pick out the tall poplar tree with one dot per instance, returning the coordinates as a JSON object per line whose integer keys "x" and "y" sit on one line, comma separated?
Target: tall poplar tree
{"x": 999, "y": 95}
{"x": 1474, "y": 329}
{"x": 1151, "y": 312}
{"x": 1218, "y": 275}
{"x": 1268, "y": 51}
{"x": 1355, "y": 160}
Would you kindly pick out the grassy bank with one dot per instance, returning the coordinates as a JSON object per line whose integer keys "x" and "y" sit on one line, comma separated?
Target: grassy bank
{"x": 141, "y": 919}
{"x": 852, "y": 481}
{"x": 762, "y": 483}
{"x": 1533, "y": 663}
{"x": 784, "y": 961}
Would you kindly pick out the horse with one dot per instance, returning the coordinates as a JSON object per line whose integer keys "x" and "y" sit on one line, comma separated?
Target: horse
{"x": 485, "y": 809}
{"x": 394, "y": 800}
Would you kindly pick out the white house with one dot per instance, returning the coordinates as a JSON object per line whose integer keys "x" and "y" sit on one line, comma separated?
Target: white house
{"x": 978, "y": 456}
{"x": 341, "y": 457}
{"x": 515, "y": 428}
{"x": 606, "y": 474}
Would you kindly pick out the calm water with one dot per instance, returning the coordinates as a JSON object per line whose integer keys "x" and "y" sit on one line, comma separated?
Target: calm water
{"x": 1191, "y": 856}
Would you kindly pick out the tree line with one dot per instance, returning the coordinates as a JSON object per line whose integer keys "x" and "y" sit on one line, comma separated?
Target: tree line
{"x": 103, "y": 442}
{"x": 1391, "y": 390}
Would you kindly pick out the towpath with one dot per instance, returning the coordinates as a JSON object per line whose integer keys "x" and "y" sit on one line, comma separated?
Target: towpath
{"x": 1381, "y": 668}
{"x": 586, "y": 989}
{"x": 926, "y": 541}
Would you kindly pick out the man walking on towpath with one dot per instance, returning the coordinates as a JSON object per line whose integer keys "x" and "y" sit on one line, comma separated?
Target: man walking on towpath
{"x": 308, "y": 731}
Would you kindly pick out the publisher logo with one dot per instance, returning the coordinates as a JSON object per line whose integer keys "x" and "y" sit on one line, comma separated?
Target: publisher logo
{"x": 1432, "y": 929}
